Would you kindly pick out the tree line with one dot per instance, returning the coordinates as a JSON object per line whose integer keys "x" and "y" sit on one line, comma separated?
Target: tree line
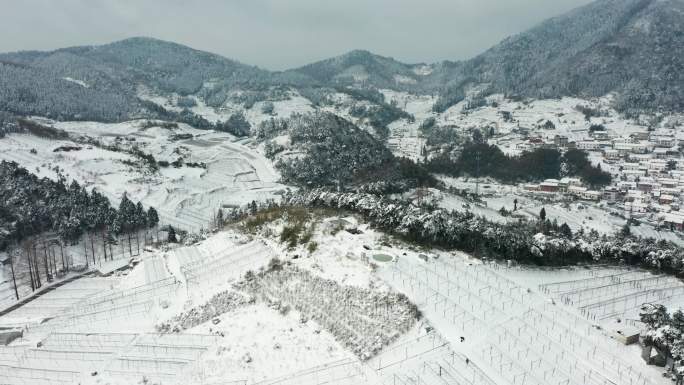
{"x": 480, "y": 159}
{"x": 37, "y": 211}
{"x": 333, "y": 152}
{"x": 664, "y": 331}
{"x": 532, "y": 242}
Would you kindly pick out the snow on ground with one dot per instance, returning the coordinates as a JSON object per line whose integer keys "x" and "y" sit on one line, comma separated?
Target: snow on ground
{"x": 509, "y": 329}
{"x": 186, "y": 197}
{"x": 586, "y": 215}
{"x": 532, "y": 115}
{"x": 109, "y": 325}
{"x": 261, "y": 343}
{"x": 482, "y": 323}
{"x": 283, "y": 107}
{"x": 296, "y": 104}
{"x": 343, "y": 256}
{"x": 79, "y": 82}
{"x": 457, "y": 203}
{"x": 250, "y": 343}
{"x": 405, "y": 139}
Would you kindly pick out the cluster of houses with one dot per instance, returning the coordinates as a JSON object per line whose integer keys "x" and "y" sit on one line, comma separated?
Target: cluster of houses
{"x": 648, "y": 174}
{"x": 568, "y": 186}
{"x": 660, "y": 144}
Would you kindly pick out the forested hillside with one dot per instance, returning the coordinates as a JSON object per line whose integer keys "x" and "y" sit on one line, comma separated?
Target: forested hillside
{"x": 363, "y": 68}
{"x": 27, "y": 90}
{"x": 31, "y": 206}
{"x": 632, "y": 48}
{"x": 323, "y": 149}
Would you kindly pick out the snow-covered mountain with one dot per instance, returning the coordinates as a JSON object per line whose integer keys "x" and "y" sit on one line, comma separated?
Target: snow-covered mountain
{"x": 632, "y": 48}
{"x": 629, "y": 47}
{"x": 363, "y": 68}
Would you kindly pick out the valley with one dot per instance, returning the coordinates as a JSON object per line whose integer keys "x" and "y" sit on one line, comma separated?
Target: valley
{"x": 172, "y": 216}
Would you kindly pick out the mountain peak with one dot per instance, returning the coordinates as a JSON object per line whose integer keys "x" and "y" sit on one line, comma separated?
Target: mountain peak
{"x": 361, "y": 67}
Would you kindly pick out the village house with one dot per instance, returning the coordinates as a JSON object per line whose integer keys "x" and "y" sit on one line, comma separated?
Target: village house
{"x": 611, "y": 154}
{"x": 627, "y": 148}
{"x": 630, "y": 166}
{"x": 591, "y": 195}
{"x": 576, "y": 191}
{"x": 634, "y": 175}
{"x": 638, "y": 136}
{"x": 611, "y": 194}
{"x": 668, "y": 182}
{"x": 661, "y": 153}
{"x": 675, "y": 193}
{"x": 636, "y": 209}
{"x": 662, "y": 140}
{"x": 560, "y": 141}
{"x": 639, "y": 157}
{"x": 636, "y": 195}
{"x": 646, "y": 185}
{"x": 549, "y": 185}
{"x": 665, "y": 199}
{"x": 600, "y": 135}
{"x": 673, "y": 221}
{"x": 629, "y": 139}
{"x": 571, "y": 181}
{"x": 626, "y": 186}
{"x": 658, "y": 165}
{"x": 589, "y": 145}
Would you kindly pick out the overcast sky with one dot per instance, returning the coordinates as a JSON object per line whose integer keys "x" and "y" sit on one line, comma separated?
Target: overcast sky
{"x": 280, "y": 34}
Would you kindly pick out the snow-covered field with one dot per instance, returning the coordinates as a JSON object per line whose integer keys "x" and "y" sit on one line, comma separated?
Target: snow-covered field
{"x": 405, "y": 139}
{"x": 218, "y": 312}
{"x": 186, "y": 197}
{"x": 481, "y": 323}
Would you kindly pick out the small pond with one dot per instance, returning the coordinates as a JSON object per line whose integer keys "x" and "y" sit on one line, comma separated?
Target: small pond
{"x": 382, "y": 257}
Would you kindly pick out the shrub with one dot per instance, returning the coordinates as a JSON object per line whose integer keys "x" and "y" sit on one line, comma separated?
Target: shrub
{"x": 290, "y": 235}
{"x": 275, "y": 264}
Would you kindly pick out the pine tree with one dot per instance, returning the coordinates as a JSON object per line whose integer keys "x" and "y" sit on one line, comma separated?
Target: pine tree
{"x": 153, "y": 220}
{"x": 566, "y": 231}
{"x": 152, "y": 217}
{"x": 542, "y": 214}
{"x": 678, "y": 321}
{"x": 140, "y": 223}
{"x": 172, "y": 235}
{"x": 219, "y": 218}
{"x": 654, "y": 315}
{"x": 126, "y": 219}
{"x": 140, "y": 216}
